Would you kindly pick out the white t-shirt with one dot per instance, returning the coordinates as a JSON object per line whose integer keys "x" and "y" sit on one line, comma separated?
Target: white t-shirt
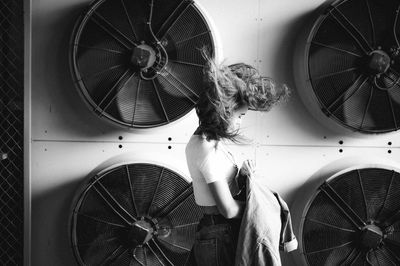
{"x": 208, "y": 161}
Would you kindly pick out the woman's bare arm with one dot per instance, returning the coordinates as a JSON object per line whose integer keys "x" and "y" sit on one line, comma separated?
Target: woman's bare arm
{"x": 227, "y": 206}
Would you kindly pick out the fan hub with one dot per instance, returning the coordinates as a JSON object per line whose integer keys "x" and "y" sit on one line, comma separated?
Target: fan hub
{"x": 371, "y": 236}
{"x": 379, "y": 62}
{"x": 141, "y": 232}
{"x": 143, "y": 56}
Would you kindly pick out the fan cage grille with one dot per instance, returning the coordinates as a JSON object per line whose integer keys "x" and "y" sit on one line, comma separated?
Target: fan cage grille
{"x": 100, "y": 58}
{"x": 346, "y": 89}
{"x": 337, "y": 217}
{"x": 113, "y": 201}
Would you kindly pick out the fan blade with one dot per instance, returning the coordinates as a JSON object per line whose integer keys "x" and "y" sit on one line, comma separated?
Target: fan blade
{"x": 92, "y": 35}
{"x": 161, "y": 100}
{"x": 156, "y": 191}
{"x": 378, "y": 216}
{"x": 361, "y": 21}
{"x": 83, "y": 46}
{"x": 383, "y": 17}
{"x": 189, "y": 50}
{"x": 176, "y": 102}
{"x": 377, "y": 257}
{"x": 114, "y": 14}
{"x": 328, "y": 35}
{"x": 175, "y": 202}
{"x": 159, "y": 257}
{"x": 181, "y": 223}
{"x": 180, "y": 238}
{"x": 170, "y": 188}
{"x": 380, "y": 114}
{"x": 371, "y": 21}
{"x": 392, "y": 108}
{"x": 352, "y": 109}
{"x": 113, "y": 256}
{"x": 330, "y": 256}
{"x": 122, "y": 106}
{"x": 330, "y": 47}
{"x": 112, "y": 92}
{"x": 350, "y": 29}
{"x": 347, "y": 93}
{"x": 144, "y": 182}
{"x": 174, "y": 90}
{"x": 93, "y": 205}
{"x": 121, "y": 259}
{"x": 187, "y": 79}
{"x": 165, "y": 13}
{"x": 111, "y": 30}
{"x": 338, "y": 201}
{"x": 350, "y": 69}
{"x": 113, "y": 203}
{"x": 323, "y": 211}
{"x": 137, "y": 15}
{"x": 173, "y": 255}
{"x": 148, "y": 109}
{"x": 94, "y": 218}
{"x": 98, "y": 249}
{"x": 173, "y": 21}
{"x": 376, "y": 185}
{"x": 330, "y": 248}
{"x": 331, "y": 226}
{"x": 366, "y": 110}
{"x": 115, "y": 183}
{"x": 350, "y": 257}
{"x": 391, "y": 203}
{"x": 392, "y": 251}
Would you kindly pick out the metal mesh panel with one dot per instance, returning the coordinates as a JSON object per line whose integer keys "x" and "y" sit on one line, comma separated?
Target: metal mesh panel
{"x": 11, "y": 132}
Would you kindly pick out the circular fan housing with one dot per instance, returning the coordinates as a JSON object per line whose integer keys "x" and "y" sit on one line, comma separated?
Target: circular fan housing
{"x": 134, "y": 214}
{"x": 347, "y": 65}
{"x": 353, "y": 218}
{"x": 139, "y": 63}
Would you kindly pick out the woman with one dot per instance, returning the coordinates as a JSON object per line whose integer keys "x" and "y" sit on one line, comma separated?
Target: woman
{"x": 229, "y": 92}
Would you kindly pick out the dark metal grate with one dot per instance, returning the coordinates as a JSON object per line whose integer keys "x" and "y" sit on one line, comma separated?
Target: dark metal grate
{"x": 11, "y": 132}
{"x": 354, "y": 219}
{"x": 121, "y": 206}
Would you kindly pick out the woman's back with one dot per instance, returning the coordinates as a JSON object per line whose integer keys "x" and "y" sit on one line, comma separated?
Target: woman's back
{"x": 208, "y": 161}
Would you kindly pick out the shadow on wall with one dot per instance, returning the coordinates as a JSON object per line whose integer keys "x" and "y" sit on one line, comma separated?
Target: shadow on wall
{"x": 295, "y": 111}
{"x": 67, "y": 111}
{"x": 51, "y": 213}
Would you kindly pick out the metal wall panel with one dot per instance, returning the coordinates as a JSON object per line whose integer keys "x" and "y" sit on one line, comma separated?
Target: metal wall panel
{"x": 60, "y": 168}
{"x": 70, "y": 142}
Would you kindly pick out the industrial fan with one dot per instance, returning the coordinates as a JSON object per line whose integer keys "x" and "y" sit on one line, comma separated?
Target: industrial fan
{"x": 347, "y": 67}
{"x": 139, "y": 63}
{"x": 134, "y": 214}
{"x": 353, "y": 218}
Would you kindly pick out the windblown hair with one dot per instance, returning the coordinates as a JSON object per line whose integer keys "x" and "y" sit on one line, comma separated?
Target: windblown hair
{"x": 227, "y": 88}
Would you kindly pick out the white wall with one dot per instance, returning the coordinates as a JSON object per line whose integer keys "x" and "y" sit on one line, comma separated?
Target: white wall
{"x": 69, "y": 143}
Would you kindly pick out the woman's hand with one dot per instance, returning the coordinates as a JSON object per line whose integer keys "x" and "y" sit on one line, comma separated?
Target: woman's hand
{"x": 248, "y": 167}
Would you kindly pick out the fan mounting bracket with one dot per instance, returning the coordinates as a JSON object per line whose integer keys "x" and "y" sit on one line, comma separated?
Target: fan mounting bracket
{"x": 379, "y": 62}
{"x": 371, "y": 236}
{"x": 143, "y": 56}
{"x": 142, "y": 231}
